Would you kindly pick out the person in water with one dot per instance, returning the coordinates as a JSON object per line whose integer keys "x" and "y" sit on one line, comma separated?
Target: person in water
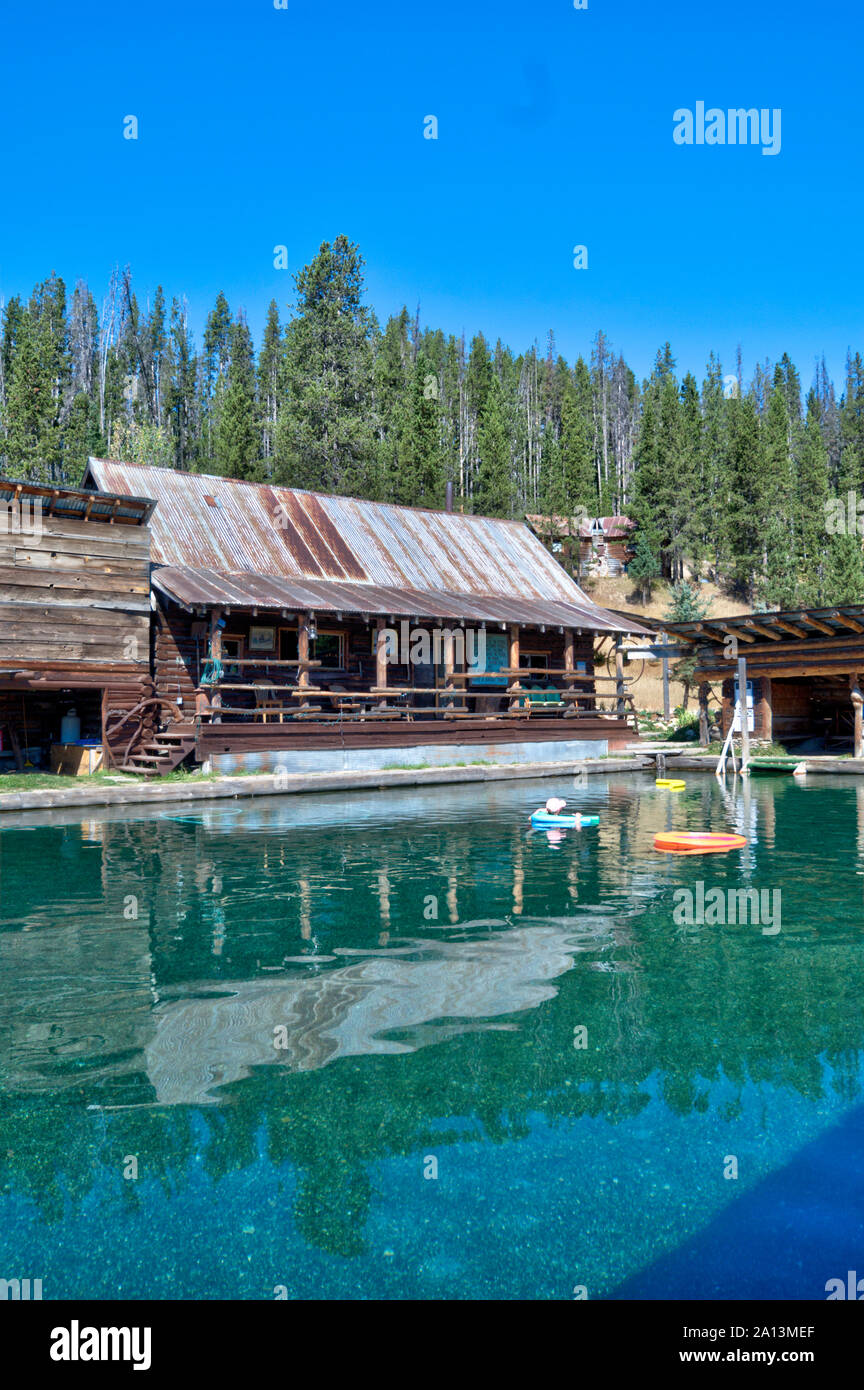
{"x": 555, "y": 807}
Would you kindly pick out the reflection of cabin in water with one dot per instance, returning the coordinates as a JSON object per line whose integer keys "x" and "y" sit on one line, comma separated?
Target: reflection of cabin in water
{"x": 288, "y": 628}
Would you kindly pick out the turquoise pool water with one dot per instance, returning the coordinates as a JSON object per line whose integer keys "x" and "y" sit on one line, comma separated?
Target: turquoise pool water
{"x": 402, "y": 1046}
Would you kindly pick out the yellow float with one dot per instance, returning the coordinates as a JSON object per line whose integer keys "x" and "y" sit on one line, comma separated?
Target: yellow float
{"x": 674, "y": 784}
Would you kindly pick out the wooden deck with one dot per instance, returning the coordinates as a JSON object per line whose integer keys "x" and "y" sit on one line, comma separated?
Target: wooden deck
{"x": 214, "y": 739}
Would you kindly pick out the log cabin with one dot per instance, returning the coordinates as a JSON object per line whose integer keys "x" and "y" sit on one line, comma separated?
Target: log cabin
{"x": 599, "y": 545}
{"x": 249, "y": 626}
{"x": 74, "y": 616}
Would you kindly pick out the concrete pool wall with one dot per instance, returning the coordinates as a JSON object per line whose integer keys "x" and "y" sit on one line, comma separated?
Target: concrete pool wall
{"x": 293, "y": 761}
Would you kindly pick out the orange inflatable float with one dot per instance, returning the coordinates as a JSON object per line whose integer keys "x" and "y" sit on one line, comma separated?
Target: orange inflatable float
{"x": 697, "y": 842}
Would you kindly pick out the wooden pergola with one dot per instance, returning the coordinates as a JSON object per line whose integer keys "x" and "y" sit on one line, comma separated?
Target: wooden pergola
{"x": 794, "y": 646}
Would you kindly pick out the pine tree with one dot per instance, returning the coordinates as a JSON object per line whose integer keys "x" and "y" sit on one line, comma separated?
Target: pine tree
{"x": 743, "y": 517}
{"x": 494, "y": 489}
{"x": 325, "y": 434}
{"x": 269, "y": 370}
{"x": 812, "y": 495}
{"x": 237, "y": 444}
{"x": 422, "y": 474}
{"x": 212, "y": 380}
{"x": 777, "y": 513}
{"x": 644, "y": 567}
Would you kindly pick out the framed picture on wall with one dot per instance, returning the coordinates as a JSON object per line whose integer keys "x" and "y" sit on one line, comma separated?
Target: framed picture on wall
{"x": 262, "y": 639}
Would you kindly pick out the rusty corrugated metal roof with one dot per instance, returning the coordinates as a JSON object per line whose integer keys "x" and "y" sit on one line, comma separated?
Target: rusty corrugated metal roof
{"x": 200, "y": 588}
{"x": 216, "y": 536}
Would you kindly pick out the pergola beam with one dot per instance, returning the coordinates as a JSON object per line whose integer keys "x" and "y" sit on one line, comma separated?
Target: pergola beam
{"x": 848, "y": 622}
{"x": 763, "y": 631}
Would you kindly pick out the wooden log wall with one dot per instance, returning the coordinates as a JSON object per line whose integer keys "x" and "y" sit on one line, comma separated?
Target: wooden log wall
{"x": 78, "y": 596}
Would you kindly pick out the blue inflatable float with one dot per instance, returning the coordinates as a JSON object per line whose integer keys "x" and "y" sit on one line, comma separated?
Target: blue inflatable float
{"x": 541, "y": 820}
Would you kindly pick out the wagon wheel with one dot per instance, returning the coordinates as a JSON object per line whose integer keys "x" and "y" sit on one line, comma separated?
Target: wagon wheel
{"x": 630, "y": 668}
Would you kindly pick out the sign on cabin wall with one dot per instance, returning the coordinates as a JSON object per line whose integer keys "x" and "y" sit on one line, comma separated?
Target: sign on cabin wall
{"x": 497, "y": 657}
{"x": 736, "y": 722}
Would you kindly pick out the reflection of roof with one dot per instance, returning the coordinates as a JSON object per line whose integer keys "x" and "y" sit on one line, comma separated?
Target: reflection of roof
{"x": 440, "y": 989}
{"x": 219, "y": 540}
{"x": 77, "y": 504}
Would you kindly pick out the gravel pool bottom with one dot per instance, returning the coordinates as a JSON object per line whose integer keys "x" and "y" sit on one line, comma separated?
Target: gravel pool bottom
{"x": 403, "y": 1046}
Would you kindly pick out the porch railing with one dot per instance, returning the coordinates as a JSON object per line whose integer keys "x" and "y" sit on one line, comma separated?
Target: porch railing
{"x": 530, "y": 693}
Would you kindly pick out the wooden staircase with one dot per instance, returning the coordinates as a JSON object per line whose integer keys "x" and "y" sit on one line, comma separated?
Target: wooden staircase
{"x": 162, "y": 752}
{"x": 141, "y": 749}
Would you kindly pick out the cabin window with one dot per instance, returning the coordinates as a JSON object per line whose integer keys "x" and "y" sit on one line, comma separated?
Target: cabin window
{"x": 328, "y": 648}
{"x": 529, "y": 658}
{"x": 232, "y": 650}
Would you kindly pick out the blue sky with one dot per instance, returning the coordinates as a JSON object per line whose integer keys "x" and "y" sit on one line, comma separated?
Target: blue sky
{"x": 260, "y": 127}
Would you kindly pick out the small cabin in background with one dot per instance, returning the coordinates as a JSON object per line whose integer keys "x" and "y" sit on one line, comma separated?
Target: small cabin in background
{"x": 74, "y": 620}
{"x": 587, "y": 546}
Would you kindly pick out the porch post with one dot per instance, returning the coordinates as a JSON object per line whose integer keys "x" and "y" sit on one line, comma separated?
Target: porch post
{"x": 665, "y": 665}
{"x": 380, "y": 655}
{"x": 745, "y": 720}
{"x": 704, "y": 690}
{"x": 302, "y": 648}
{"x": 619, "y": 674}
{"x": 766, "y": 710}
{"x": 216, "y": 654}
{"x": 514, "y": 665}
{"x": 449, "y": 656}
{"x": 857, "y": 703}
{"x": 569, "y": 668}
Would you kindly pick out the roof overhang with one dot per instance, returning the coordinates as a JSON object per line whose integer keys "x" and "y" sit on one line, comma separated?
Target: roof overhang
{"x": 197, "y": 589}
{"x": 78, "y": 503}
{"x": 789, "y": 626}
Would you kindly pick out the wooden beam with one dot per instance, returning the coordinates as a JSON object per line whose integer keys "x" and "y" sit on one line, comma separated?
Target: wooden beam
{"x": 840, "y": 668}
{"x": 215, "y": 653}
{"x": 704, "y": 690}
{"x": 380, "y": 655}
{"x": 857, "y": 704}
{"x": 702, "y": 628}
{"x": 814, "y": 622}
{"x": 732, "y": 631}
{"x": 787, "y": 627}
{"x": 514, "y": 665}
{"x": 848, "y": 622}
{"x": 763, "y": 631}
{"x": 766, "y": 710}
{"x": 620, "y": 688}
